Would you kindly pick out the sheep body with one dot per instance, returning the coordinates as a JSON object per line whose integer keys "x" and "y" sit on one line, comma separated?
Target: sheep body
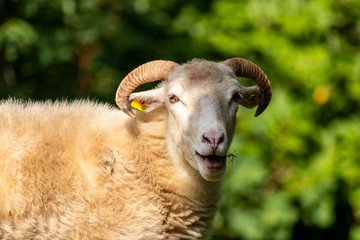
{"x": 100, "y": 175}
{"x": 84, "y": 170}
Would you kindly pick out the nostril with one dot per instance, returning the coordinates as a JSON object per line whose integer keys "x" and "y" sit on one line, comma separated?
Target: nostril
{"x": 206, "y": 138}
{"x": 213, "y": 139}
{"x": 221, "y": 138}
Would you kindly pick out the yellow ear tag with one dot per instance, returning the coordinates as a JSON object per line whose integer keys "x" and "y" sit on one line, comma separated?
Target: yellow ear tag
{"x": 139, "y": 104}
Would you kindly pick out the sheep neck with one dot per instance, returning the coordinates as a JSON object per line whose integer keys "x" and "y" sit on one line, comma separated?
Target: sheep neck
{"x": 187, "y": 202}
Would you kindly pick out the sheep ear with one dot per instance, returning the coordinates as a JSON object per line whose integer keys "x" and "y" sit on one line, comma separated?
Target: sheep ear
{"x": 147, "y": 101}
{"x": 250, "y": 96}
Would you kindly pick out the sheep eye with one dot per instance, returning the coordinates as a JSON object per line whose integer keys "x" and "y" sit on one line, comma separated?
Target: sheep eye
{"x": 174, "y": 99}
{"x": 252, "y": 97}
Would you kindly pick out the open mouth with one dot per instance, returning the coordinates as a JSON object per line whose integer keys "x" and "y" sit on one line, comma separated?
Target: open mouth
{"x": 212, "y": 163}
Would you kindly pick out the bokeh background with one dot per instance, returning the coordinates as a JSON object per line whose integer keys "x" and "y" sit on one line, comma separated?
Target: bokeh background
{"x": 297, "y": 171}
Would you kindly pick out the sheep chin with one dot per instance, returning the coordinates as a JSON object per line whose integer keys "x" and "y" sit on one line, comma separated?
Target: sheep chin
{"x": 211, "y": 167}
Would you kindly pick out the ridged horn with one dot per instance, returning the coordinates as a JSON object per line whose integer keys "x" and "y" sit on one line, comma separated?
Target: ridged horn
{"x": 148, "y": 72}
{"x": 247, "y": 69}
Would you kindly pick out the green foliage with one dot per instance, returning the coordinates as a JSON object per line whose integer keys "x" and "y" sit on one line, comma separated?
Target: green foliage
{"x": 297, "y": 172}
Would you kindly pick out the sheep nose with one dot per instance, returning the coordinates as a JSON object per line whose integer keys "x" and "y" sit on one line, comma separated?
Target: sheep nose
{"x": 213, "y": 139}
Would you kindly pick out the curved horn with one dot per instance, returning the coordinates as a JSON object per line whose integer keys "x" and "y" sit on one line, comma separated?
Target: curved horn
{"x": 148, "y": 72}
{"x": 247, "y": 69}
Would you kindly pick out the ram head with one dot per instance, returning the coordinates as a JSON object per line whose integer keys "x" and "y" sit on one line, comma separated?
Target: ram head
{"x": 201, "y": 99}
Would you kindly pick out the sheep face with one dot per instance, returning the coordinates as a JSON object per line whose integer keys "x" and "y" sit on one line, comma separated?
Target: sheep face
{"x": 202, "y": 99}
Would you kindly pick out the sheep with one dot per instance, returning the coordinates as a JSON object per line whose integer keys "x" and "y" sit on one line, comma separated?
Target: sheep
{"x": 85, "y": 170}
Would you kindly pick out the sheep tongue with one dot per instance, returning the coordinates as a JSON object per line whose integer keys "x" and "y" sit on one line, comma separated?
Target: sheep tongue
{"x": 214, "y": 162}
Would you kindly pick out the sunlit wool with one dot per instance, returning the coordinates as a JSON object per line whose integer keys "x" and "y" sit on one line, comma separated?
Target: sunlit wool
{"x": 84, "y": 170}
